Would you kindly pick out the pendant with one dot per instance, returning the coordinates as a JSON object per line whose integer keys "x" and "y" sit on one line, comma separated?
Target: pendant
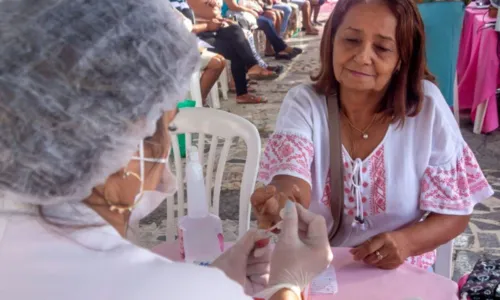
{"x": 365, "y": 136}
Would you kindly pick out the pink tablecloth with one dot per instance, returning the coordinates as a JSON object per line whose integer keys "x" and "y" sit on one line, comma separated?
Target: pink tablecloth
{"x": 478, "y": 66}
{"x": 358, "y": 281}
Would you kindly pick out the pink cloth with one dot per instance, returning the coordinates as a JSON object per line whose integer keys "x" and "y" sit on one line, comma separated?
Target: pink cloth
{"x": 478, "y": 66}
{"x": 359, "y": 281}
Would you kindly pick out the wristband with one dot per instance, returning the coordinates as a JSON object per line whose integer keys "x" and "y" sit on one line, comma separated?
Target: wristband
{"x": 269, "y": 292}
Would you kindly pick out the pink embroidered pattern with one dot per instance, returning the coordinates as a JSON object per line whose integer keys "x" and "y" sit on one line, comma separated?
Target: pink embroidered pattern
{"x": 325, "y": 199}
{"x": 286, "y": 153}
{"x": 452, "y": 188}
{"x": 377, "y": 201}
{"x": 423, "y": 261}
{"x": 377, "y": 175}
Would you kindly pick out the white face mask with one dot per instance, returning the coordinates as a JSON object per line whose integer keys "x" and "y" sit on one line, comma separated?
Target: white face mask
{"x": 148, "y": 201}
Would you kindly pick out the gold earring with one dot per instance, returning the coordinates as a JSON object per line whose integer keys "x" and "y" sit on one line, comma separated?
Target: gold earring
{"x": 121, "y": 209}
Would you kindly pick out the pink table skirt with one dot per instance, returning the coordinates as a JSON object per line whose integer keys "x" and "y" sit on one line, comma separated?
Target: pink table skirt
{"x": 478, "y": 66}
{"x": 358, "y": 281}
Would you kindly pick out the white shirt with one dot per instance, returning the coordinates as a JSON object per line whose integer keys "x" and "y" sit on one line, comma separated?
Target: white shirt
{"x": 423, "y": 166}
{"x": 39, "y": 262}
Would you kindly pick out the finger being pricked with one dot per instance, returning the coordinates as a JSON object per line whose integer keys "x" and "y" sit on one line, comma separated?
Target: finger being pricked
{"x": 261, "y": 195}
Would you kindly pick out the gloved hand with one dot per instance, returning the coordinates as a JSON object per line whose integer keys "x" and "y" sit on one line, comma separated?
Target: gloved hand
{"x": 245, "y": 264}
{"x": 302, "y": 251}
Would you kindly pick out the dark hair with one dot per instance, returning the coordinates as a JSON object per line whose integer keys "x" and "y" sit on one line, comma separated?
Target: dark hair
{"x": 404, "y": 96}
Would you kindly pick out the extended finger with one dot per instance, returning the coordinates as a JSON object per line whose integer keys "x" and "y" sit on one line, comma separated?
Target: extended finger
{"x": 271, "y": 207}
{"x": 260, "y": 196}
{"x": 367, "y": 248}
{"x": 260, "y": 279}
{"x": 290, "y": 226}
{"x": 246, "y": 244}
{"x": 261, "y": 253}
{"x": 258, "y": 269}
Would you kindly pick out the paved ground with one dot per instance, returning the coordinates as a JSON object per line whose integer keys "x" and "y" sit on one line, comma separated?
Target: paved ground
{"x": 480, "y": 238}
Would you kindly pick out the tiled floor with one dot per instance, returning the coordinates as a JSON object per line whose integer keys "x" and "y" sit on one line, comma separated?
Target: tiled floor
{"x": 482, "y": 235}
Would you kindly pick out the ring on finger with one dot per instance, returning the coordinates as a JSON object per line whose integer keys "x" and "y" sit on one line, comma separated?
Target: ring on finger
{"x": 379, "y": 255}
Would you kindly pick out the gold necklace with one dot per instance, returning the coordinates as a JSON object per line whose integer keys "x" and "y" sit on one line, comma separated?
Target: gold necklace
{"x": 364, "y": 132}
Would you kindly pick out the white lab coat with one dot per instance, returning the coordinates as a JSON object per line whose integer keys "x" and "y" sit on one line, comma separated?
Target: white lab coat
{"x": 38, "y": 262}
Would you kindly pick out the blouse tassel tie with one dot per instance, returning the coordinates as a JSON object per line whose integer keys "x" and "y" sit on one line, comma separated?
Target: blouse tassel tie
{"x": 359, "y": 219}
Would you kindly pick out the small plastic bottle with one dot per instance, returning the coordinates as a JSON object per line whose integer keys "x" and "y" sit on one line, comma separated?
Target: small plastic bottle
{"x": 200, "y": 232}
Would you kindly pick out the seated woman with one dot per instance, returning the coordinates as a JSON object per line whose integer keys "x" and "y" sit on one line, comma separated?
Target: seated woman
{"x": 248, "y": 24}
{"x": 266, "y": 22}
{"x": 410, "y": 180}
{"x": 211, "y": 64}
{"x": 229, "y": 40}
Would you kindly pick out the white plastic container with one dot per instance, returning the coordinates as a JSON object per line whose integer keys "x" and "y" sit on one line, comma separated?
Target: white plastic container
{"x": 200, "y": 232}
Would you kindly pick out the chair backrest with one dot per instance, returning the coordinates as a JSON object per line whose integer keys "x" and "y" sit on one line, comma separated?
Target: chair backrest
{"x": 443, "y": 265}
{"x": 212, "y": 125}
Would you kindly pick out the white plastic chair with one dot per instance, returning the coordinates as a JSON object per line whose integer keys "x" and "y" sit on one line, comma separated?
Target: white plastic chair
{"x": 224, "y": 83}
{"x": 195, "y": 89}
{"x": 214, "y": 96}
{"x": 218, "y": 124}
{"x": 444, "y": 265}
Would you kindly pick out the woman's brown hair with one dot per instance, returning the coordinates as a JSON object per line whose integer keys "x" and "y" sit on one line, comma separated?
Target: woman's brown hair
{"x": 404, "y": 96}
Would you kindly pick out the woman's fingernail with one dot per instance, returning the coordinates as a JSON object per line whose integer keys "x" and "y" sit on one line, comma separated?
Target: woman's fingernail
{"x": 289, "y": 207}
{"x": 296, "y": 188}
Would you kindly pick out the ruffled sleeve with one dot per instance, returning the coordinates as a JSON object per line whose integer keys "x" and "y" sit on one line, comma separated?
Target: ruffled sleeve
{"x": 453, "y": 182}
{"x": 454, "y": 188}
{"x": 290, "y": 150}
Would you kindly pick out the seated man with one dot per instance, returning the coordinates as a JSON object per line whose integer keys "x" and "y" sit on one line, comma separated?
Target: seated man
{"x": 265, "y": 22}
{"x": 228, "y": 39}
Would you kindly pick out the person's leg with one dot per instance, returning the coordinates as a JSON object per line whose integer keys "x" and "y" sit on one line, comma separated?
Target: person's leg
{"x": 233, "y": 40}
{"x": 315, "y": 14}
{"x": 240, "y": 81}
{"x": 233, "y": 45}
{"x": 266, "y": 25}
{"x": 213, "y": 69}
{"x": 240, "y": 77}
{"x": 269, "y": 49}
{"x": 316, "y": 9}
{"x": 287, "y": 10}
{"x": 256, "y": 54}
{"x": 306, "y": 18}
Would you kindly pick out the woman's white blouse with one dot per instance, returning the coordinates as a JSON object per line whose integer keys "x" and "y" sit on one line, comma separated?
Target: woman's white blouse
{"x": 423, "y": 166}
{"x": 40, "y": 262}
